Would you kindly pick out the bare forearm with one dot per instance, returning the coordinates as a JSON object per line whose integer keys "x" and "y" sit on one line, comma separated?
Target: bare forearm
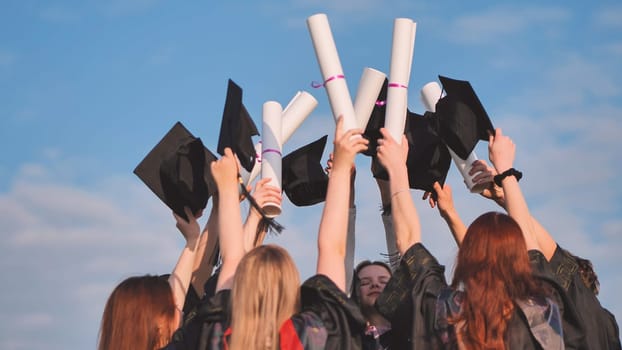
{"x": 204, "y": 259}
{"x": 455, "y": 224}
{"x": 517, "y": 208}
{"x": 405, "y": 219}
{"x": 181, "y": 274}
{"x": 231, "y": 235}
{"x": 250, "y": 229}
{"x": 333, "y": 227}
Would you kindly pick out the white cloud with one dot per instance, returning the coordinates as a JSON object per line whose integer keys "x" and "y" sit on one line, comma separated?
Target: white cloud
{"x": 126, "y": 7}
{"x": 68, "y": 246}
{"x": 614, "y": 49}
{"x": 161, "y": 57}
{"x": 341, "y": 12}
{"x": 34, "y": 320}
{"x": 58, "y": 15}
{"x": 498, "y": 23}
{"x": 608, "y": 17}
{"x": 7, "y": 58}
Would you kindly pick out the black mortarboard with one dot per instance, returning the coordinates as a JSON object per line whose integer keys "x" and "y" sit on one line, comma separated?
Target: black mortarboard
{"x": 177, "y": 170}
{"x": 463, "y": 119}
{"x": 376, "y": 121}
{"x": 428, "y": 159}
{"x": 304, "y": 179}
{"x": 237, "y": 128}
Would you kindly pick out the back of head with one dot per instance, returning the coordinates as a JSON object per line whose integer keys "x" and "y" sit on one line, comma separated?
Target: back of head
{"x": 493, "y": 266}
{"x": 265, "y": 293}
{"x": 139, "y": 314}
{"x": 587, "y": 273}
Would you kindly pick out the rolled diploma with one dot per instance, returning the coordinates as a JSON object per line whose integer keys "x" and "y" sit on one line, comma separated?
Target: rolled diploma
{"x": 367, "y": 95}
{"x": 248, "y": 177}
{"x": 404, "y": 30}
{"x": 330, "y": 66}
{"x": 271, "y": 154}
{"x": 430, "y": 94}
{"x": 298, "y": 109}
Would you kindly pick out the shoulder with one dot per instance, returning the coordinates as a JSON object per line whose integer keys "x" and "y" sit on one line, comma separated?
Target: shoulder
{"x": 320, "y": 295}
{"x": 544, "y": 319}
{"x": 305, "y": 329}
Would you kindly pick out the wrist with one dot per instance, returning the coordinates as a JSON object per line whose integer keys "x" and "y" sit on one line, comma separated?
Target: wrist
{"x": 397, "y": 170}
{"x": 498, "y": 179}
{"x": 192, "y": 243}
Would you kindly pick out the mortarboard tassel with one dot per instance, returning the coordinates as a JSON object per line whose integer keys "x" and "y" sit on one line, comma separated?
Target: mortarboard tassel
{"x": 273, "y": 225}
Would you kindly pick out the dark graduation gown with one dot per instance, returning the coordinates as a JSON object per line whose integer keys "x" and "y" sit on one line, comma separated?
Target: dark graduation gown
{"x": 601, "y": 328}
{"x": 328, "y": 320}
{"x": 409, "y": 302}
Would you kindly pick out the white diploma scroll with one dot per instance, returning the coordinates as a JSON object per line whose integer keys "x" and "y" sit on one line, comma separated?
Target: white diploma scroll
{"x": 271, "y": 156}
{"x": 248, "y": 177}
{"x": 430, "y": 94}
{"x": 298, "y": 109}
{"x": 332, "y": 72}
{"x": 367, "y": 95}
{"x": 404, "y": 30}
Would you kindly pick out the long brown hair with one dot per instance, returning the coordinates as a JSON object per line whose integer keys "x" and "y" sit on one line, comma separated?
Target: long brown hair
{"x": 265, "y": 293}
{"x": 139, "y": 314}
{"x": 493, "y": 267}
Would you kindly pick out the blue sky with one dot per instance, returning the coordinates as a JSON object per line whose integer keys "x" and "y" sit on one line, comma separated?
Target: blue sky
{"x": 88, "y": 87}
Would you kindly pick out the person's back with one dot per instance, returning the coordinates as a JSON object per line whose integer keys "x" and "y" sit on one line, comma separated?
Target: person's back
{"x": 493, "y": 268}
{"x": 264, "y": 295}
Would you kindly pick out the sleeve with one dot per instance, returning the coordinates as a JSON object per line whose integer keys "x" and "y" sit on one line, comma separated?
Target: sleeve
{"x": 389, "y": 233}
{"x": 350, "y": 244}
{"x": 192, "y": 298}
{"x": 600, "y": 325}
{"x": 409, "y": 299}
{"x": 341, "y": 317}
{"x": 204, "y": 329}
{"x": 574, "y": 330}
{"x": 563, "y": 267}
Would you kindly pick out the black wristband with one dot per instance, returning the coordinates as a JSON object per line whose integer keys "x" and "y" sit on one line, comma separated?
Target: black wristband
{"x": 510, "y": 172}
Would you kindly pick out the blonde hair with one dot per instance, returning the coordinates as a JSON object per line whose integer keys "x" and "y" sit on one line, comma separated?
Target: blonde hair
{"x": 265, "y": 294}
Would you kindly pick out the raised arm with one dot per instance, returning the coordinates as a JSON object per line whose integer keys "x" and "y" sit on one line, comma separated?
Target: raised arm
{"x": 230, "y": 232}
{"x": 334, "y": 223}
{"x": 180, "y": 276}
{"x": 351, "y": 236}
{"x": 501, "y": 151}
{"x": 405, "y": 218}
{"x": 445, "y": 204}
{"x": 254, "y": 230}
{"x": 206, "y": 250}
{"x": 493, "y": 192}
{"x": 384, "y": 187}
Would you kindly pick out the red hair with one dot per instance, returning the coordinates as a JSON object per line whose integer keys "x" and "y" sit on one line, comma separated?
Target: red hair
{"x": 493, "y": 266}
{"x": 139, "y": 314}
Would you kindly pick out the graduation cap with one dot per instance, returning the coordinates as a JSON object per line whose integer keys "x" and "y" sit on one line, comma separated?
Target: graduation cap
{"x": 376, "y": 121}
{"x": 463, "y": 119}
{"x": 459, "y": 122}
{"x": 428, "y": 159}
{"x": 237, "y": 128}
{"x": 177, "y": 170}
{"x": 304, "y": 180}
